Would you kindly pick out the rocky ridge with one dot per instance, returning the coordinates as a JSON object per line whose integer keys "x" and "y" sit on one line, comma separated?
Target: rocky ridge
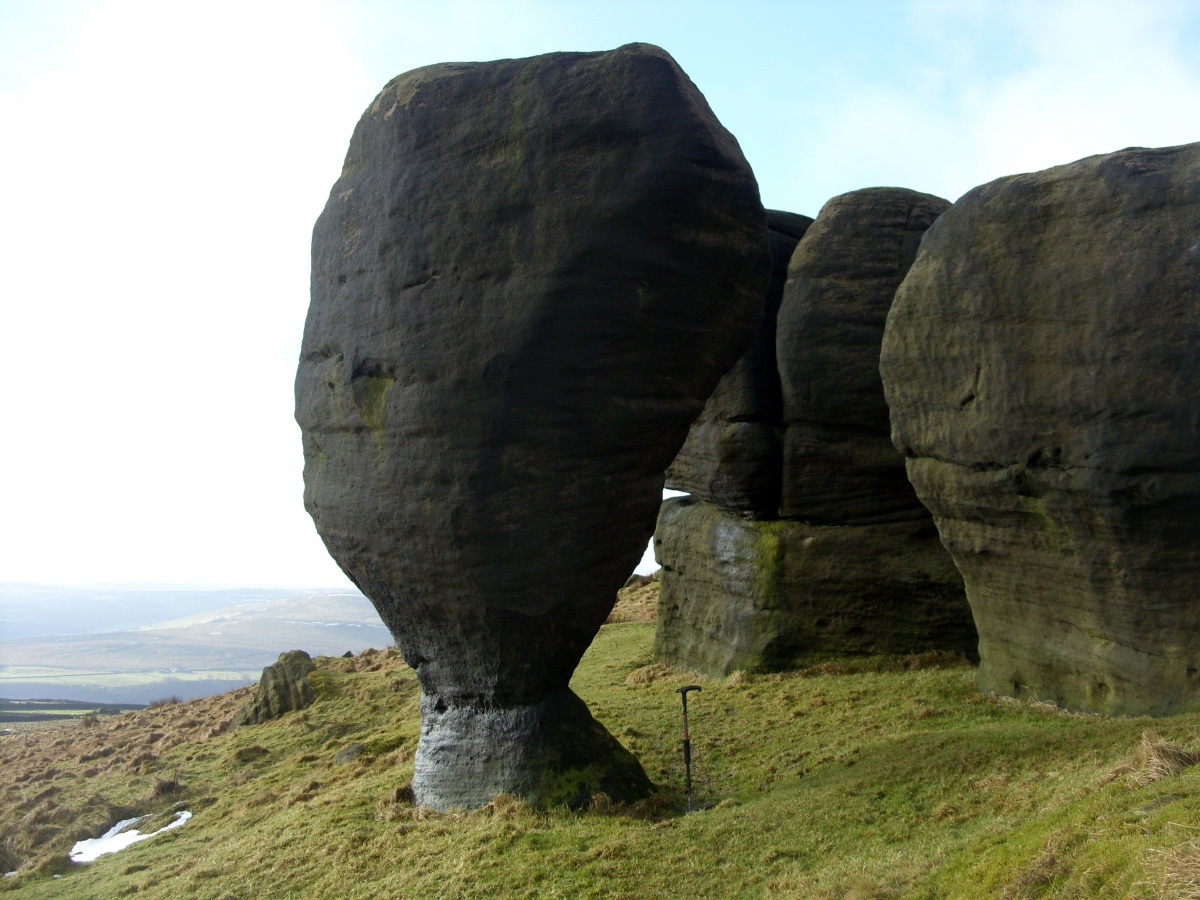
{"x": 843, "y": 559}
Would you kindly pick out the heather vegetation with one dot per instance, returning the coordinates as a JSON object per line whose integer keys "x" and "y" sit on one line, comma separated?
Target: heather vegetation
{"x": 890, "y": 777}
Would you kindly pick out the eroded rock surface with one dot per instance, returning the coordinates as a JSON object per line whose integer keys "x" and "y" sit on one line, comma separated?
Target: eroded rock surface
{"x": 1041, "y": 366}
{"x": 284, "y": 687}
{"x": 749, "y": 595}
{"x": 839, "y": 465}
{"x": 526, "y": 283}
{"x": 733, "y": 455}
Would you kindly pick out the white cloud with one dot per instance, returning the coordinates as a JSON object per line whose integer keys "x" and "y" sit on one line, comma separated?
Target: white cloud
{"x": 999, "y": 88}
{"x": 155, "y": 245}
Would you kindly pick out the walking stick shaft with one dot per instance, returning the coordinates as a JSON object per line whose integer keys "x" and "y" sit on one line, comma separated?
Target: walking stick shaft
{"x": 687, "y": 767}
{"x": 687, "y": 743}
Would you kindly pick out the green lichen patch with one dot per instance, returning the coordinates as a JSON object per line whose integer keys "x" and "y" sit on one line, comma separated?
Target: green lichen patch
{"x": 371, "y": 396}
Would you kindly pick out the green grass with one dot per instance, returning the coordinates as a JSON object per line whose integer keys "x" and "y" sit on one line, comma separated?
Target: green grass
{"x": 881, "y": 780}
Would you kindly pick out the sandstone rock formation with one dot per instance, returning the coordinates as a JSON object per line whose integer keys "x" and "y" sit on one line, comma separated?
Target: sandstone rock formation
{"x": 1041, "y": 366}
{"x": 733, "y": 455}
{"x": 283, "y": 687}
{"x": 839, "y": 465}
{"x": 855, "y": 565}
{"x": 526, "y": 283}
{"x": 739, "y": 594}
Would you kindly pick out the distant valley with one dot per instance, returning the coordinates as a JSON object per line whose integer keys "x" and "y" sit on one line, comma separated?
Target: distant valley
{"x": 136, "y": 645}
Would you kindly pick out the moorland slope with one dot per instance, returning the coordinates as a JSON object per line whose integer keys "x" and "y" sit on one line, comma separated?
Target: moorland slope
{"x": 889, "y": 778}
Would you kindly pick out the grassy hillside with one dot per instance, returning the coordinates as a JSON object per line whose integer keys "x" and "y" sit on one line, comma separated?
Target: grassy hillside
{"x": 895, "y": 779}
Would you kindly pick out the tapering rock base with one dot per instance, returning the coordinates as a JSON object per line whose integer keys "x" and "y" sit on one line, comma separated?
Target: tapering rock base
{"x": 551, "y": 753}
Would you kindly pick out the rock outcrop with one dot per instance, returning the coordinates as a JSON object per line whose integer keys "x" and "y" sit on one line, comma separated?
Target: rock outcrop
{"x": 526, "y": 284}
{"x": 1041, "y": 366}
{"x": 733, "y": 455}
{"x": 740, "y": 594}
{"x": 284, "y": 687}
{"x": 854, "y": 564}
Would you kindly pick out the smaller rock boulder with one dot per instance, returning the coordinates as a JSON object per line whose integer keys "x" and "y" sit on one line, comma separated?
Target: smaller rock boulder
{"x": 733, "y": 455}
{"x": 349, "y": 753}
{"x": 838, "y": 465}
{"x": 283, "y": 687}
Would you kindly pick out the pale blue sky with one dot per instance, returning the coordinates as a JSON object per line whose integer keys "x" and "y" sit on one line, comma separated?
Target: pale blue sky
{"x": 162, "y": 164}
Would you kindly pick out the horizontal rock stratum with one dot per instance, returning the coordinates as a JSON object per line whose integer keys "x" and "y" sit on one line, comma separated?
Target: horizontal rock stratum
{"x": 751, "y": 595}
{"x": 1042, "y": 366}
{"x": 526, "y": 283}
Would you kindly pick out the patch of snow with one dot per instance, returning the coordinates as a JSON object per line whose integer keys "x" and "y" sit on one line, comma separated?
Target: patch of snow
{"x": 117, "y": 838}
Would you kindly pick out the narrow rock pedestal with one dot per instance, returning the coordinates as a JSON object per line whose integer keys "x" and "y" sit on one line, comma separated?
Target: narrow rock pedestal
{"x": 553, "y": 750}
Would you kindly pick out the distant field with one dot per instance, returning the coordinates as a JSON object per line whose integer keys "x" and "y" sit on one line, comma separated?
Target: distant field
{"x": 194, "y": 655}
{"x": 136, "y": 688}
{"x": 19, "y": 711}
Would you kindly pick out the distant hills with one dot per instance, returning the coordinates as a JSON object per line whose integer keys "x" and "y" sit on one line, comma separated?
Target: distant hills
{"x": 136, "y": 645}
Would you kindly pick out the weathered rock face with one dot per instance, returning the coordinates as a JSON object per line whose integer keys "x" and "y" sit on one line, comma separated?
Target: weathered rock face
{"x": 733, "y": 455}
{"x": 283, "y": 687}
{"x": 856, "y": 565}
{"x": 1041, "y": 366}
{"x": 739, "y": 594}
{"x": 525, "y": 285}
{"x": 839, "y": 465}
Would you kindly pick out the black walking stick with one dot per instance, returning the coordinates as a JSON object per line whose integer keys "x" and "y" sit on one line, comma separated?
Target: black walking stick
{"x": 687, "y": 742}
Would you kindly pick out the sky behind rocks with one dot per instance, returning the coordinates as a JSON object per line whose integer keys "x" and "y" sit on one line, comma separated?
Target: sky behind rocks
{"x": 162, "y": 164}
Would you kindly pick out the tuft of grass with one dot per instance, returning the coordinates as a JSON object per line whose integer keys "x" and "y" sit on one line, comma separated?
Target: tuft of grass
{"x": 1179, "y": 871}
{"x": 164, "y": 701}
{"x": 1156, "y": 758}
{"x": 637, "y": 601}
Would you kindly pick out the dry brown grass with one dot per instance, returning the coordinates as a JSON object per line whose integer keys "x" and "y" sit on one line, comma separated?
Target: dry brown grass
{"x": 1154, "y": 759}
{"x": 39, "y": 820}
{"x": 637, "y": 601}
{"x": 1180, "y": 869}
{"x": 649, "y": 674}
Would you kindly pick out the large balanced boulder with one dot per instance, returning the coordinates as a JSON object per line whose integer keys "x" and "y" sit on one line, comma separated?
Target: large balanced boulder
{"x": 738, "y": 594}
{"x": 1042, "y": 364}
{"x": 733, "y": 455}
{"x": 526, "y": 283}
{"x": 839, "y": 465}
